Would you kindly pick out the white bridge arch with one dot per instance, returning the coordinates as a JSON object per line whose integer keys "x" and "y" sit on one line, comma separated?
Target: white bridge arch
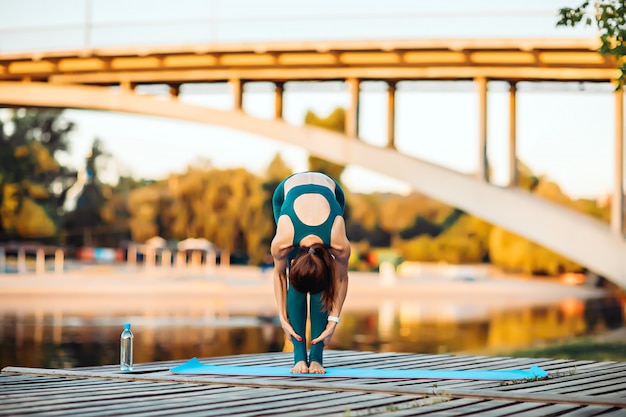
{"x": 572, "y": 234}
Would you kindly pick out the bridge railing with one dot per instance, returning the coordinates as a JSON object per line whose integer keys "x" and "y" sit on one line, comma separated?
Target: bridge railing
{"x": 99, "y": 24}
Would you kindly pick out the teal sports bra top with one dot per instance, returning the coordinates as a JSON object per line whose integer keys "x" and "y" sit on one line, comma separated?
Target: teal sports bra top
{"x": 301, "y": 230}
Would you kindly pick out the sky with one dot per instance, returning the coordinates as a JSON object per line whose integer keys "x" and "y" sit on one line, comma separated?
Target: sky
{"x": 565, "y": 131}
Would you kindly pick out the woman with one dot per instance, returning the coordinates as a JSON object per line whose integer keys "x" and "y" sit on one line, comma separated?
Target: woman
{"x": 310, "y": 251}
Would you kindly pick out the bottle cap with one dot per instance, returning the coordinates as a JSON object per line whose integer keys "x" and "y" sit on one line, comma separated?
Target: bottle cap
{"x": 127, "y": 325}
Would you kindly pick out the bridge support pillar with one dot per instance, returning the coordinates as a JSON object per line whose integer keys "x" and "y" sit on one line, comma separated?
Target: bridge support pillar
{"x": 391, "y": 114}
{"x": 617, "y": 202}
{"x": 278, "y": 100}
{"x": 352, "y": 117}
{"x": 513, "y": 172}
{"x": 237, "y": 86}
{"x": 127, "y": 86}
{"x": 174, "y": 91}
{"x": 483, "y": 163}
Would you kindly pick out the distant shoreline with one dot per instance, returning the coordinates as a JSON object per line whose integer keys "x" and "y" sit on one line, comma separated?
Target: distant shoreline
{"x": 242, "y": 287}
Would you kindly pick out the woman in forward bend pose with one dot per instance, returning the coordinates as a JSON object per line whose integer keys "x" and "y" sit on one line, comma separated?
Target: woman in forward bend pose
{"x": 311, "y": 252}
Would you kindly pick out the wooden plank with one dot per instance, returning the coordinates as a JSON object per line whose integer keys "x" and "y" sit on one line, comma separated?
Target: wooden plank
{"x": 205, "y": 404}
{"x": 604, "y": 388}
{"x": 555, "y": 410}
{"x": 74, "y": 386}
{"x": 43, "y": 388}
{"x": 218, "y": 406}
{"x": 496, "y": 408}
{"x": 121, "y": 394}
{"x": 616, "y": 412}
{"x": 451, "y": 407}
{"x": 117, "y": 391}
{"x": 588, "y": 411}
{"x": 584, "y": 386}
{"x": 569, "y": 383}
{"x": 512, "y": 409}
{"x": 331, "y": 403}
{"x": 274, "y": 402}
{"x": 335, "y": 405}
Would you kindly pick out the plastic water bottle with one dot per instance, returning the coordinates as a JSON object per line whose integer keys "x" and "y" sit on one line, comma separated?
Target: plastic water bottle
{"x": 126, "y": 349}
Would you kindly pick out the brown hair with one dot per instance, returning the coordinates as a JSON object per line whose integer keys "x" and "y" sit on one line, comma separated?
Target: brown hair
{"x": 312, "y": 271}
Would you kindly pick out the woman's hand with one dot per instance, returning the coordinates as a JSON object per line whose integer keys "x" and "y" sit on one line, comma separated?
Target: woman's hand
{"x": 289, "y": 330}
{"x": 326, "y": 335}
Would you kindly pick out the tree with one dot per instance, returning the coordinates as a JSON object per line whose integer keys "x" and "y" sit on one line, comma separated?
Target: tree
{"x": 335, "y": 121}
{"x": 144, "y": 207}
{"x": 226, "y": 207}
{"x": 32, "y": 182}
{"x": 514, "y": 253}
{"x": 276, "y": 171}
{"x": 463, "y": 239}
{"x": 610, "y": 19}
{"x": 87, "y": 220}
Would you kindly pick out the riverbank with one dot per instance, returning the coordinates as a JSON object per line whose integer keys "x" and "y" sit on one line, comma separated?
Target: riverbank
{"x": 607, "y": 346}
{"x": 111, "y": 289}
{"x": 252, "y": 283}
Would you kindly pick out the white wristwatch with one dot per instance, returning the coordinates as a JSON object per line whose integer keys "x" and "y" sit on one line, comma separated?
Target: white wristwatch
{"x": 333, "y": 318}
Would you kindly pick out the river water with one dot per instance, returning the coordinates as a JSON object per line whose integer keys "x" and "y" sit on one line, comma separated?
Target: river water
{"x": 84, "y": 333}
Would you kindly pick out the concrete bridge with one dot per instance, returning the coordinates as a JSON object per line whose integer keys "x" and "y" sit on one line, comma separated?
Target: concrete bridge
{"x": 82, "y": 79}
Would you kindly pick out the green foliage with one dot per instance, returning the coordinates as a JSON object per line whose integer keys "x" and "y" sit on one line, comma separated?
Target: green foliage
{"x": 609, "y": 17}
{"x": 31, "y": 220}
{"x": 89, "y": 224}
{"x": 376, "y": 218}
{"x": 32, "y": 183}
{"x": 365, "y": 211}
{"x": 275, "y": 173}
{"x": 584, "y": 349}
{"x": 144, "y": 207}
{"x": 417, "y": 249}
{"x": 514, "y": 253}
{"x": 422, "y": 226}
{"x": 599, "y": 211}
{"x": 464, "y": 241}
{"x": 114, "y": 212}
{"x": 375, "y": 236}
{"x": 397, "y": 213}
{"x": 277, "y": 170}
{"x": 227, "y": 207}
{"x": 335, "y": 122}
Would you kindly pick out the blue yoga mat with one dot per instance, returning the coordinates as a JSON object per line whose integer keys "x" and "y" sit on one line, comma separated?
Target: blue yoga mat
{"x": 195, "y": 367}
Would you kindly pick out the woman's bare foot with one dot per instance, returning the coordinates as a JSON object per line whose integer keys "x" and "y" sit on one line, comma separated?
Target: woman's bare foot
{"x": 300, "y": 368}
{"x": 316, "y": 368}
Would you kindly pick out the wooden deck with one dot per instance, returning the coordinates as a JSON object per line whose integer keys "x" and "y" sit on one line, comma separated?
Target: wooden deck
{"x": 573, "y": 388}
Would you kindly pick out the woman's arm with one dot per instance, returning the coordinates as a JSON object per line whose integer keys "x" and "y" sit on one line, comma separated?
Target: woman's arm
{"x": 340, "y": 247}
{"x": 280, "y": 249}
{"x": 341, "y": 284}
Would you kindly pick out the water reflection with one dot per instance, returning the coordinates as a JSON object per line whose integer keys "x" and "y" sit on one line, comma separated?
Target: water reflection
{"x": 466, "y": 328}
{"x": 60, "y": 339}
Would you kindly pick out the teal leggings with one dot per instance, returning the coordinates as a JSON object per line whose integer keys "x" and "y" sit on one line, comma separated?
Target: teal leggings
{"x": 297, "y": 314}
